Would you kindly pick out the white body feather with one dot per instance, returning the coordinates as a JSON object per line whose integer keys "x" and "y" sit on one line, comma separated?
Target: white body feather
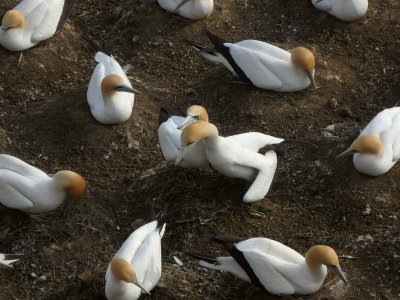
{"x": 169, "y": 137}
{"x": 345, "y": 10}
{"x": 27, "y": 188}
{"x": 194, "y": 9}
{"x": 143, "y": 250}
{"x": 280, "y": 269}
{"x": 41, "y": 20}
{"x": 266, "y": 66}
{"x": 116, "y": 108}
{"x": 386, "y": 125}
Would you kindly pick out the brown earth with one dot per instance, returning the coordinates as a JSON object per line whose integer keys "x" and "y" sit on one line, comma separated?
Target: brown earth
{"x": 315, "y": 199}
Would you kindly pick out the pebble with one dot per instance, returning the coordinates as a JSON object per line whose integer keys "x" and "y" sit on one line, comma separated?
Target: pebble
{"x": 333, "y": 103}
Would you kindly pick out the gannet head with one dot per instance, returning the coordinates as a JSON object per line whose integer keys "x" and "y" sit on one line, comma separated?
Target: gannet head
{"x": 73, "y": 183}
{"x": 365, "y": 144}
{"x": 304, "y": 59}
{"x": 13, "y": 19}
{"x": 124, "y": 271}
{"x": 114, "y": 83}
{"x": 324, "y": 255}
{"x": 194, "y": 133}
{"x": 193, "y": 114}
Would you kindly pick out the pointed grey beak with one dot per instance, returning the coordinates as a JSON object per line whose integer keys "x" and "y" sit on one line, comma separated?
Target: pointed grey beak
{"x": 318, "y": 1}
{"x": 180, "y": 5}
{"x": 348, "y": 152}
{"x": 127, "y": 89}
{"x": 338, "y": 272}
{"x": 311, "y": 76}
{"x": 189, "y": 120}
{"x": 184, "y": 150}
{"x": 142, "y": 288}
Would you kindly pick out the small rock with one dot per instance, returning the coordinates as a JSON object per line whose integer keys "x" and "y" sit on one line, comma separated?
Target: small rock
{"x": 333, "y": 103}
{"x": 178, "y": 261}
{"x": 42, "y": 278}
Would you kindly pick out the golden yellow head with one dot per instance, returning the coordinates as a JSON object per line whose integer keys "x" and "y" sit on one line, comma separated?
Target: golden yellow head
{"x": 303, "y": 59}
{"x": 73, "y": 183}
{"x": 197, "y": 131}
{"x": 321, "y": 255}
{"x": 110, "y": 83}
{"x": 123, "y": 270}
{"x": 368, "y": 144}
{"x": 198, "y": 111}
{"x": 13, "y": 19}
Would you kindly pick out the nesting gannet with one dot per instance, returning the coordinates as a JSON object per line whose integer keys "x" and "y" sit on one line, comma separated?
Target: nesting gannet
{"x": 263, "y": 65}
{"x": 232, "y": 159}
{"x": 110, "y": 94}
{"x": 377, "y": 148}
{"x": 273, "y": 266}
{"x": 136, "y": 267}
{"x": 29, "y": 189}
{"x": 32, "y": 21}
{"x": 345, "y": 10}
{"x": 191, "y": 9}
{"x": 169, "y": 136}
{"x": 7, "y": 259}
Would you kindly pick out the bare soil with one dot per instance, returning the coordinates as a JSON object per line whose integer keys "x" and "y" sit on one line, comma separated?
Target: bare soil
{"x": 315, "y": 199}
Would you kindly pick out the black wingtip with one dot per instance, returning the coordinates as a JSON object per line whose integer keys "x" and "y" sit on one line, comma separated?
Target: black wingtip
{"x": 163, "y": 116}
{"x": 195, "y": 45}
{"x": 13, "y": 256}
{"x": 164, "y": 216}
{"x": 216, "y": 40}
{"x": 205, "y": 257}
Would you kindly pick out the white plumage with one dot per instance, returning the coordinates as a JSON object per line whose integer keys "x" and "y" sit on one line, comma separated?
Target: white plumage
{"x": 378, "y": 146}
{"x": 191, "y": 9}
{"x": 7, "y": 259}
{"x": 235, "y": 156}
{"x": 110, "y": 94}
{"x": 142, "y": 250}
{"x": 345, "y": 10}
{"x": 263, "y": 65}
{"x": 29, "y": 189}
{"x": 34, "y": 21}
{"x": 274, "y": 266}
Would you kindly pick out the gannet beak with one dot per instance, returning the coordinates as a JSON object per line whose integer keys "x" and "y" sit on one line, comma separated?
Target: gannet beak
{"x": 142, "y": 288}
{"x": 189, "y": 120}
{"x": 318, "y": 1}
{"x": 180, "y": 5}
{"x": 127, "y": 89}
{"x": 184, "y": 150}
{"x": 311, "y": 76}
{"x": 348, "y": 152}
{"x": 338, "y": 272}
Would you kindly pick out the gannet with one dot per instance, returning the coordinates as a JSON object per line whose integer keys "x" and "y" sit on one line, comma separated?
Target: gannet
{"x": 263, "y": 65}
{"x": 110, "y": 94}
{"x": 273, "y": 266}
{"x": 345, "y": 10}
{"x": 32, "y": 21}
{"x": 230, "y": 158}
{"x": 136, "y": 267}
{"x": 7, "y": 259}
{"x": 169, "y": 136}
{"x": 29, "y": 189}
{"x": 377, "y": 148}
{"x": 191, "y": 9}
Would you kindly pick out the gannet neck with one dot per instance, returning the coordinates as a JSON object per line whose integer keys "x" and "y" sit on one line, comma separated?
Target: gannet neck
{"x": 13, "y": 19}
{"x": 369, "y": 144}
{"x": 73, "y": 183}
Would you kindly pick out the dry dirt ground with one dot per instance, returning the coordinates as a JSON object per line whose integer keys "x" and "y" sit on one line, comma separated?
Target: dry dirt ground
{"x": 315, "y": 199}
